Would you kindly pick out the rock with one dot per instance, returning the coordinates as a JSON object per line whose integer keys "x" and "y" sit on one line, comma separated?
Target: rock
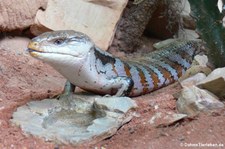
{"x": 215, "y": 82}
{"x": 199, "y": 65}
{"x": 223, "y": 21}
{"x": 111, "y": 104}
{"x": 193, "y": 80}
{"x": 193, "y": 100}
{"x": 158, "y": 115}
{"x": 166, "y": 119}
{"x": 188, "y": 34}
{"x": 220, "y": 5}
{"x": 185, "y": 6}
{"x": 195, "y": 70}
{"x": 188, "y": 29}
{"x": 188, "y": 21}
{"x": 201, "y": 60}
{"x": 21, "y": 43}
{"x": 132, "y": 25}
{"x": 163, "y": 43}
{"x": 16, "y": 14}
{"x": 74, "y": 120}
{"x": 164, "y": 22}
{"x": 96, "y": 18}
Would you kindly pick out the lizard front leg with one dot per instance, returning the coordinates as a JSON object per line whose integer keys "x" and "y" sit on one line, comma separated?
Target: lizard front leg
{"x": 68, "y": 89}
{"x": 123, "y": 85}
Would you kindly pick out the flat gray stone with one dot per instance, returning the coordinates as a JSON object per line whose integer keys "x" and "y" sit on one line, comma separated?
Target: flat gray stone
{"x": 192, "y": 100}
{"x": 193, "y": 80}
{"x": 215, "y": 82}
{"x": 111, "y": 104}
{"x": 163, "y": 43}
{"x": 76, "y": 119}
{"x": 164, "y": 119}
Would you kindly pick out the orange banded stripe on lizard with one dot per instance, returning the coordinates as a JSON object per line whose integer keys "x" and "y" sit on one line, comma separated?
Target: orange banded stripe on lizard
{"x": 76, "y": 57}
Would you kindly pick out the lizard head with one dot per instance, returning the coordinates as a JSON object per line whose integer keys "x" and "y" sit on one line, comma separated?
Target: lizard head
{"x": 60, "y": 46}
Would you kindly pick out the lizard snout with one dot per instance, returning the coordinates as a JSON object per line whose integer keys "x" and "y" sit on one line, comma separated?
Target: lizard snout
{"x": 33, "y": 48}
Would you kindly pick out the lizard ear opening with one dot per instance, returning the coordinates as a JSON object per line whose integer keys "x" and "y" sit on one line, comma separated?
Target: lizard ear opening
{"x": 75, "y": 39}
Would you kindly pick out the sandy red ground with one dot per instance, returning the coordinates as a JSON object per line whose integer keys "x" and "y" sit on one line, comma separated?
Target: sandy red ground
{"x": 23, "y": 79}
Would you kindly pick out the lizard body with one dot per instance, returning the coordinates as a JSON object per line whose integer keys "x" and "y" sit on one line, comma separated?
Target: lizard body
{"x": 76, "y": 57}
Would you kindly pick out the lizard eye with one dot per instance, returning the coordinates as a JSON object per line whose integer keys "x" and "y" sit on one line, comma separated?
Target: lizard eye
{"x": 59, "y": 41}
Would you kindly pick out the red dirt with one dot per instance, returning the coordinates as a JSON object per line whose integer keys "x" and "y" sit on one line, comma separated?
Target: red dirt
{"x": 23, "y": 78}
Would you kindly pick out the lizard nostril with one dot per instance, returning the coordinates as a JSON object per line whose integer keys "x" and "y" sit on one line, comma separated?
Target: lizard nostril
{"x": 34, "y": 43}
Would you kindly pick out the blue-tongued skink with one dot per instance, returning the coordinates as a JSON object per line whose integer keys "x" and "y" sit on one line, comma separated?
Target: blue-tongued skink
{"x": 75, "y": 56}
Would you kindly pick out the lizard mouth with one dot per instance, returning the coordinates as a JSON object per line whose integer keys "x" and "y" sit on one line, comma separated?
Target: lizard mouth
{"x": 37, "y": 53}
{"x": 34, "y": 50}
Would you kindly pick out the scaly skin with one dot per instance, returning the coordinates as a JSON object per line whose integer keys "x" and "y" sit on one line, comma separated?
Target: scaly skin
{"x": 76, "y": 57}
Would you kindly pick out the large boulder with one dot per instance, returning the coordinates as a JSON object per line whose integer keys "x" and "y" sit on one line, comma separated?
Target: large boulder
{"x": 17, "y": 14}
{"x": 97, "y": 19}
